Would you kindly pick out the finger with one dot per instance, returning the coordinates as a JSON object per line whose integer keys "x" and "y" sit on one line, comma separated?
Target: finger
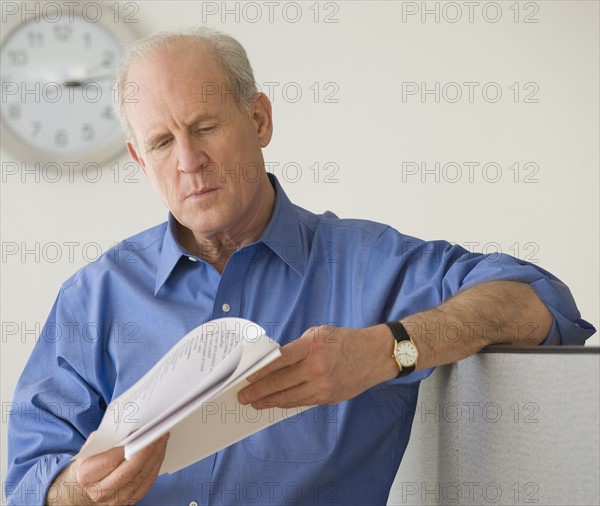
{"x": 97, "y": 467}
{"x": 290, "y": 354}
{"x": 140, "y": 489}
{"x": 136, "y": 490}
{"x": 130, "y": 481}
{"x": 294, "y": 397}
{"x": 276, "y": 381}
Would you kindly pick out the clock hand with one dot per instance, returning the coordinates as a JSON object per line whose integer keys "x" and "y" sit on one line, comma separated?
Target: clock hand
{"x": 81, "y": 82}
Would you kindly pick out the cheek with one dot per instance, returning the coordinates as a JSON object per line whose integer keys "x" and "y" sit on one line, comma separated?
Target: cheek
{"x": 163, "y": 186}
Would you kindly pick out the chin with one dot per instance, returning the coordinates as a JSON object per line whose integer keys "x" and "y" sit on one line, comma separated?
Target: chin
{"x": 205, "y": 226}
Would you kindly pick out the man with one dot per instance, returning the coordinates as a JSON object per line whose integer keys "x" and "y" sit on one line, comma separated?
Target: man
{"x": 234, "y": 245}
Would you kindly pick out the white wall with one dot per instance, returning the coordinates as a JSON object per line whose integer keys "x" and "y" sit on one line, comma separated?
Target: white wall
{"x": 369, "y": 133}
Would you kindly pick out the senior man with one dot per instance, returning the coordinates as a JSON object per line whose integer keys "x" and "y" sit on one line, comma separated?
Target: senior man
{"x": 225, "y": 251}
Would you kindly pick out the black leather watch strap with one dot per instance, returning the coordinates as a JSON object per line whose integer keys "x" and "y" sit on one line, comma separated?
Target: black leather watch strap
{"x": 400, "y": 334}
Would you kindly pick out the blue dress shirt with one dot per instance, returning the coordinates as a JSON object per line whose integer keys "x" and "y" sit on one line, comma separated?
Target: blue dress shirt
{"x": 116, "y": 317}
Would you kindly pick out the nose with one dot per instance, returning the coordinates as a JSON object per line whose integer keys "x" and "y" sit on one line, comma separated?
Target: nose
{"x": 191, "y": 155}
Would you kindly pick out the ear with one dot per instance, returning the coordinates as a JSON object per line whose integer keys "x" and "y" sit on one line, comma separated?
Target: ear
{"x": 261, "y": 112}
{"x": 137, "y": 158}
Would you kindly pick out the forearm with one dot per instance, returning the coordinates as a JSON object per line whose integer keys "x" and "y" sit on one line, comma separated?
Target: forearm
{"x": 328, "y": 364}
{"x": 498, "y": 312}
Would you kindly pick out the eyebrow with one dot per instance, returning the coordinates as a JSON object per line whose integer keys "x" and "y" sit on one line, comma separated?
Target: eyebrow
{"x": 198, "y": 119}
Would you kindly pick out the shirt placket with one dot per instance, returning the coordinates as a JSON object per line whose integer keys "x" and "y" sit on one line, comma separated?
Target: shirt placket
{"x": 228, "y": 300}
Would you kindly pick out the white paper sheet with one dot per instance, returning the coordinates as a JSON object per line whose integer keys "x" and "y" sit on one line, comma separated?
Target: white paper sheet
{"x": 197, "y": 367}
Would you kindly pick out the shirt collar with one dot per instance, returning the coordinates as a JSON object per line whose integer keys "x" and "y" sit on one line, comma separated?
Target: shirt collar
{"x": 170, "y": 254}
{"x": 282, "y": 236}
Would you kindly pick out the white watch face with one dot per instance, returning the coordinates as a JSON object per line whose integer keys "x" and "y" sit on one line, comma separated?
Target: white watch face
{"x": 406, "y": 353}
{"x": 58, "y": 85}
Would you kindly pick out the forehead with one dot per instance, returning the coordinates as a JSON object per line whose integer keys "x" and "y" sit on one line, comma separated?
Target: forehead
{"x": 177, "y": 65}
{"x": 175, "y": 78}
{"x": 177, "y": 62}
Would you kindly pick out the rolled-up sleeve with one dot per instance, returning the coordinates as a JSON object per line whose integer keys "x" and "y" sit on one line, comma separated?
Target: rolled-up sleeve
{"x": 409, "y": 275}
{"x": 53, "y": 411}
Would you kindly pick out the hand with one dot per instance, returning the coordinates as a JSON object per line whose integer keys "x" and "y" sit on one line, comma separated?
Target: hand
{"x": 325, "y": 365}
{"x": 109, "y": 479}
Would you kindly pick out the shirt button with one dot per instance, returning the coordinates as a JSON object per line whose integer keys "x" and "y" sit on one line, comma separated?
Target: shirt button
{"x": 193, "y": 503}
{"x": 226, "y": 308}
{"x": 193, "y": 259}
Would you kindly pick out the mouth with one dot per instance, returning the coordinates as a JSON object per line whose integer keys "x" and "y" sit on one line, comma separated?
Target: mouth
{"x": 200, "y": 194}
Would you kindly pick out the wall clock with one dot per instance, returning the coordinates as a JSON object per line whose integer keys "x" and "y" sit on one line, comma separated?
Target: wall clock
{"x": 59, "y": 84}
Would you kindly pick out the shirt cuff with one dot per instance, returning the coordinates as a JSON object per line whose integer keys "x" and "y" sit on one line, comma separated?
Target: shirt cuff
{"x": 567, "y": 326}
{"x": 36, "y": 483}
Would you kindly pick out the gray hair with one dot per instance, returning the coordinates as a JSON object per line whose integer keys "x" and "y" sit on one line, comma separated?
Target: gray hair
{"x": 228, "y": 52}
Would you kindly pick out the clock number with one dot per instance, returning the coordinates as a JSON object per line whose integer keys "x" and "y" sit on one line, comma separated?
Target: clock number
{"x": 63, "y": 32}
{"x": 87, "y": 131}
{"x": 61, "y": 139}
{"x": 14, "y": 111}
{"x": 18, "y": 57}
{"x": 108, "y": 58}
{"x": 108, "y": 112}
{"x": 36, "y": 128}
{"x": 36, "y": 39}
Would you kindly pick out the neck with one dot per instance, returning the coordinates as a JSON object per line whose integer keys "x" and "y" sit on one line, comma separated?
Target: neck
{"x": 216, "y": 248}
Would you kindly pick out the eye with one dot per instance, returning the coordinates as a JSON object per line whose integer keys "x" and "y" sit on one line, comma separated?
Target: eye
{"x": 162, "y": 144}
{"x": 205, "y": 129}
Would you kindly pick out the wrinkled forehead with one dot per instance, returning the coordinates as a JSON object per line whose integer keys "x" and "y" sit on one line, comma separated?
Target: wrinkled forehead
{"x": 174, "y": 82}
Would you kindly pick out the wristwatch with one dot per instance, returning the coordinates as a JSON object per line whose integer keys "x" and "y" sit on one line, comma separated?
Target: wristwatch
{"x": 405, "y": 351}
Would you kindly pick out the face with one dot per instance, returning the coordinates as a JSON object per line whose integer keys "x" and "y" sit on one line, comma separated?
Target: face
{"x": 200, "y": 151}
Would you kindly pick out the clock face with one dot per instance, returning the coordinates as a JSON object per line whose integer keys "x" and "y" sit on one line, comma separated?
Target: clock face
{"x": 59, "y": 89}
{"x": 406, "y": 353}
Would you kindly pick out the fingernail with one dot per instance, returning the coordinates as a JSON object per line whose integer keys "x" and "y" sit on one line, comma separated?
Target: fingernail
{"x": 92, "y": 491}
